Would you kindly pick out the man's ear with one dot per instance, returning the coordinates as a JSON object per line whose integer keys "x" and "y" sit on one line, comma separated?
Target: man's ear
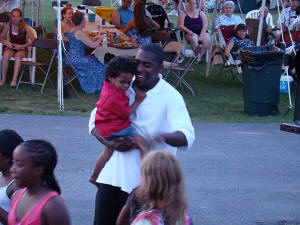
{"x": 160, "y": 69}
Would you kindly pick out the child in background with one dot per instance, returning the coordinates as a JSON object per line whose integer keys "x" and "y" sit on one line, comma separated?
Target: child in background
{"x": 238, "y": 41}
{"x": 160, "y": 197}
{"x": 18, "y": 32}
{"x": 113, "y": 111}
{"x": 39, "y": 201}
{"x": 9, "y": 140}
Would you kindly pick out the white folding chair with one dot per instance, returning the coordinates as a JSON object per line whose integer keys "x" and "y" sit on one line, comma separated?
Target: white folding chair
{"x": 30, "y": 58}
{"x": 254, "y": 14}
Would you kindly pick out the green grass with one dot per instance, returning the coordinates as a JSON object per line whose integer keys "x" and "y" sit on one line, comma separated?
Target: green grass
{"x": 217, "y": 99}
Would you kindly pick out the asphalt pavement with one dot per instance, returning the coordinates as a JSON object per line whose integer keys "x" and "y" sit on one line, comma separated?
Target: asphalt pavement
{"x": 235, "y": 173}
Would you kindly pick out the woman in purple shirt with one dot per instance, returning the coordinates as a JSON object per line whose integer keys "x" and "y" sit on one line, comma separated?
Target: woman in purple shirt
{"x": 193, "y": 22}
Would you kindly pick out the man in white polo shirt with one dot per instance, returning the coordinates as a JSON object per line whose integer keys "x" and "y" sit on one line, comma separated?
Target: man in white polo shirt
{"x": 162, "y": 119}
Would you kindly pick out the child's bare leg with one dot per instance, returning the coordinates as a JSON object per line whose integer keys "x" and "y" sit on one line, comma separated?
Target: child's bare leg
{"x": 100, "y": 163}
{"x": 142, "y": 145}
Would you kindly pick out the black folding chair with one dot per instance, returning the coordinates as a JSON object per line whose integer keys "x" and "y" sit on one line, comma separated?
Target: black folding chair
{"x": 44, "y": 67}
{"x": 92, "y": 2}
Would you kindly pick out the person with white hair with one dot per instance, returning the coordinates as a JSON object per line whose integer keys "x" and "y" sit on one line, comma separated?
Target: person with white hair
{"x": 288, "y": 15}
{"x": 228, "y": 18}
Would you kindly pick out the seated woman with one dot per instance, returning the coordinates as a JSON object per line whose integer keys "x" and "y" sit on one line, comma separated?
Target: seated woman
{"x": 66, "y": 22}
{"x": 16, "y": 46}
{"x": 238, "y": 41}
{"x": 228, "y": 18}
{"x": 193, "y": 22}
{"x": 88, "y": 69}
{"x": 140, "y": 28}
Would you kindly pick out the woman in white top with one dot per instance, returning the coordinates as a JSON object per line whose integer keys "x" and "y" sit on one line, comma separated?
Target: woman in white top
{"x": 228, "y": 18}
{"x": 9, "y": 140}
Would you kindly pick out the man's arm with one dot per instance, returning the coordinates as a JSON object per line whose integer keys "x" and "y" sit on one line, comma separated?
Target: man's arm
{"x": 118, "y": 144}
{"x": 175, "y": 139}
{"x": 177, "y": 116}
{"x": 115, "y": 18}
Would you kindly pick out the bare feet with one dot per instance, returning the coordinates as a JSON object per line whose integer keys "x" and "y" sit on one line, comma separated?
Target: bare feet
{"x": 2, "y": 82}
{"x": 13, "y": 83}
{"x": 92, "y": 180}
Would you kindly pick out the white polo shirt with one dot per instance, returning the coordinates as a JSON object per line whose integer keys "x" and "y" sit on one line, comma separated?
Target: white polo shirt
{"x": 162, "y": 111}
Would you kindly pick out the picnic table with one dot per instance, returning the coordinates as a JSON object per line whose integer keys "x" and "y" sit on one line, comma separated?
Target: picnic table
{"x": 96, "y": 27}
{"x": 100, "y": 51}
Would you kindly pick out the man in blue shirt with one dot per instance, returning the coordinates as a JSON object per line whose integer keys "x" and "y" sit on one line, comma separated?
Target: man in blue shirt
{"x": 121, "y": 16}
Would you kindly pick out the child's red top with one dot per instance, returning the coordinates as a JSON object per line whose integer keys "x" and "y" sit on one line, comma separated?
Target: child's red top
{"x": 112, "y": 110}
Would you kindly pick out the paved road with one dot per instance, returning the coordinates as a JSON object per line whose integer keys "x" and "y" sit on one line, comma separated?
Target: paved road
{"x": 235, "y": 174}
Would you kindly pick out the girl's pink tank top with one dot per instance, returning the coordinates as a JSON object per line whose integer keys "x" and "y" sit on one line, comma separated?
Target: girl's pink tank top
{"x": 33, "y": 217}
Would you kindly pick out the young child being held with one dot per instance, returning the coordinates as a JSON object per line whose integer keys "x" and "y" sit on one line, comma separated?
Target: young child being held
{"x": 113, "y": 110}
{"x": 160, "y": 197}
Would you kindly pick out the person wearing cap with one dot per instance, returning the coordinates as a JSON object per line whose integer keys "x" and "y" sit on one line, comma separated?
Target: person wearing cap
{"x": 122, "y": 15}
{"x": 228, "y": 18}
{"x": 288, "y": 15}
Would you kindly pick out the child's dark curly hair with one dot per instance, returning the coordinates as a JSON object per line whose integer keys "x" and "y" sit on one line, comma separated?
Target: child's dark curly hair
{"x": 240, "y": 27}
{"x": 119, "y": 65}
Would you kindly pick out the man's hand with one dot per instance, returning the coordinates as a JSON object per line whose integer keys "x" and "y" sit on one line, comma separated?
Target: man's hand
{"x": 120, "y": 144}
{"x": 139, "y": 95}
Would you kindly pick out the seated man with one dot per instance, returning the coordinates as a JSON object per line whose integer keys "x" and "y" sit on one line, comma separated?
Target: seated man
{"x": 268, "y": 30}
{"x": 121, "y": 16}
{"x": 296, "y": 23}
{"x": 288, "y": 15}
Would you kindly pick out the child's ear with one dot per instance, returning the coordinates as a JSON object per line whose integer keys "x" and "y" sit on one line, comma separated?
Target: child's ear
{"x": 38, "y": 171}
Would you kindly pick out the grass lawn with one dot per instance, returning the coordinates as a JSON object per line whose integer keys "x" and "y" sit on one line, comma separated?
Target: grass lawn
{"x": 217, "y": 100}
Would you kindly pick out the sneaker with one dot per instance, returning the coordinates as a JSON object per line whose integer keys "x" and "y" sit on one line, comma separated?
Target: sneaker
{"x": 173, "y": 13}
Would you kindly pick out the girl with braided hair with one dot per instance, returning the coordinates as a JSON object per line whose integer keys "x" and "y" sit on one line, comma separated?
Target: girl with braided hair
{"x": 39, "y": 201}
{"x": 9, "y": 140}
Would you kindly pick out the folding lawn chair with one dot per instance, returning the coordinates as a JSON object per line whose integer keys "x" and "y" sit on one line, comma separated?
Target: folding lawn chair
{"x": 172, "y": 52}
{"x": 254, "y": 14}
{"x": 180, "y": 71}
{"x": 218, "y": 54}
{"x": 68, "y": 70}
{"x": 44, "y": 67}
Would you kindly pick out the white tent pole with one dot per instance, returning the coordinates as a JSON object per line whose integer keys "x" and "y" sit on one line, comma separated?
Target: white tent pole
{"x": 279, "y": 16}
{"x": 241, "y": 11}
{"x": 23, "y": 7}
{"x": 37, "y": 13}
{"x": 261, "y": 18}
{"x": 213, "y": 30}
{"x": 59, "y": 63}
